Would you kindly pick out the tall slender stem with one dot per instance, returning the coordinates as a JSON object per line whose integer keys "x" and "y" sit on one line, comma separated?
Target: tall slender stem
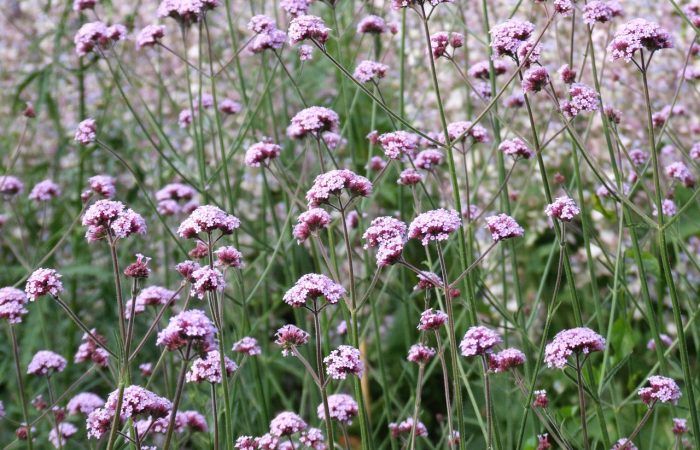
{"x": 178, "y": 396}
{"x": 487, "y": 399}
{"x": 20, "y": 386}
{"x": 446, "y": 385}
{"x": 321, "y": 378}
{"x": 416, "y": 404}
{"x": 582, "y": 402}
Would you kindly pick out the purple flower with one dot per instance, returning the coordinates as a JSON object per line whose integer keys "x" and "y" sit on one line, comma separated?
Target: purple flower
{"x": 507, "y": 37}
{"x": 206, "y": 279}
{"x": 65, "y": 430}
{"x": 398, "y": 143}
{"x": 208, "y": 368}
{"x": 10, "y": 185}
{"x": 262, "y": 153}
{"x": 310, "y": 222}
{"x": 680, "y": 426}
{"x": 333, "y": 183}
{"x": 368, "y": 71}
{"x": 563, "y": 208}
{"x": 208, "y": 218}
{"x": 482, "y": 69}
{"x": 43, "y": 282}
{"x": 463, "y": 130}
{"x": 86, "y": 133}
{"x": 409, "y": 177}
{"x": 535, "y": 79}
{"x": 479, "y": 340}
{"x": 568, "y": 342}
{"x": 342, "y": 361}
{"x": 92, "y": 349}
{"x": 247, "y": 346}
{"x": 12, "y": 301}
{"x": 515, "y": 148}
{"x": 540, "y": 400}
{"x": 680, "y": 172}
{"x": 313, "y": 121}
{"x": 313, "y": 439}
{"x": 661, "y": 389}
{"x": 312, "y": 286}
{"x": 431, "y": 320}
{"x": 150, "y": 35}
{"x": 371, "y": 24}
{"x": 45, "y": 191}
{"x": 583, "y": 99}
{"x": 341, "y": 407}
{"x": 289, "y": 336}
{"x": 185, "y": 11}
{"x": 388, "y": 235}
{"x": 429, "y": 158}
{"x": 638, "y": 34}
{"x": 503, "y": 227}
{"x": 420, "y": 354}
{"x": 405, "y": 427}
{"x": 306, "y": 27}
{"x": 229, "y": 256}
{"x": 506, "y": 360}
{"x": 434, "y": 225}
{"x": 84, "y": 403}
{"x": 188, "y": 326}
{"x": 286, "y": 423}
{"x": 46, "y": 362}
{"x": 98, "y": 35}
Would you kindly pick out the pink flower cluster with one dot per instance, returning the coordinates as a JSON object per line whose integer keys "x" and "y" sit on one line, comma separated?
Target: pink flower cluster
{"x": 371, "y": 24}
{"x": 262, "y": 153}
{"x": 428, "y": 159}
{"x": 188, "y": 326}
{"x": 435, "y": 225}
{"x": 84, "y": 403}
{"x": 563, "y": 208}
{"x": 185, "y": 11}
{"x": 431, "y": 320}
{"x": 583, "y": 99}
{"x": 97, "y": 35}
{"x": 312, "y": 286}
{"x": 289, "y": 337}
{"x": 464, "y": 129}
{"x": 206, "y": 219}
{"x": 86, "y": 132}
{"x": 406, "y": 427}
{"x": 420, "y": 354}
{"x": 208, "y": 368}
{"x": 535, "y": 79}
{"x": 568, "y": 342}
{"x": 343, "y": 361}
{"x": 12, "y": 301}
{"x": 506, "y": 359}
{"x": 150, "y": 35}
{"x": 515, "y": 148}
{"x": 313, "y": 120}
{"x": 388, "y": 235}
{"x": 398, "y": 143}
{"x": 267, "y": 36}
{"x": 287, "y": 423}
{"x": 341, "y": 407}
{"x": 310, "y": 222}
{"x": 660, "y": 389}
{"x": 334, "y": 182}
{"x": 151, "y": 295}
{"x": 91, "y": 349}
{"x": 679, "y": 171}
{"x": 247, "y": 346}
{"x": 306, "y": 27}
{"x": 43, "y": 282}
{"x": 507, "y": 37}
{"x": 479, "y": 340}
{"x": 638, "y": 34}
{"x": 44, "y": 191}
{"x": 45, "y": 362}
{"x": 502, "y": 226}
{"x": 136, "y": 401}
{"x": 368, "y": 71}
{"x": 10, "y": 185}
{"x": 599, "y": 11}
{"x": 111, "y": 217}
{"x": 440, "y": 41}
{"x": 174, "y": 198}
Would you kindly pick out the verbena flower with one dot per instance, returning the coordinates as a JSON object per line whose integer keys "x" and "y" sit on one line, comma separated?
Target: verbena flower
{"x": 515, "y": 148}
{"x": 435, "y": 225}
{"x": 308, "y": 27}
{"x": 46, "y": 362}
{"x": 569, "y": 342}
{"x": 313, "y": 438}
{"x": 535, "y": 79}
{"x": 206, "y": 279}
{"x": 150, "y": 35}
{"x": 409, "y": 177}
{"x": 507, "y": 37}
{"x": 623, "y": 442}
{"x": 343, "y": 361}
{"x": 333, "y": 183}
{"x": 583, "y": 99}
{"x": 12, "y": 301}
{"x": 43, "y": 282}
{"x": 84, "y": 403}
{"x": 371, "y": 24}
{"x": 92, "y": 349}
{"x": 229, "y": 256}
{"x": 661, "y": 389}
{"x": 398, "y": 143}
{"x": 341, "y": 407}
{"x": 367, "y": 71}
{"x": 310, "y": 222}
{"x": 679, "y": 171}
{"x": 431, "y": 320}
{"x": 10, "y": 185}
{"x": 208, "y": 368}
{"x": 680, "y": 426}
{"x": 136, "y": 401}
{"x": 188, "y": 326}
{"x": 635, "y": 35}
{"x": 313, "y": 121}
{"x": 479, "y": 340}
{"x": 247, "y": 346}
{"x": 563, "y": 208}
{"x": 506, "y": 360}
{"x": 44, "y": 191}
{"x": 289, "y": 337}
{"x": 61, "y": 433}
{"x": 262, "y": 153}
{"x": 388, "y": 235}
{"x": 185, "y": 11}
{"x": 287, "y": 423}
{"x": 312, "y": 286}
{"x": 503, "y": 227}
{"x": 97, "y": 35}
{"x": 86, "y": 132}
{"x": 207, "y": 219}
{"x": 405, "y": 427}
{"x": 420, "y": 354}
{"x": 540, "y": 399}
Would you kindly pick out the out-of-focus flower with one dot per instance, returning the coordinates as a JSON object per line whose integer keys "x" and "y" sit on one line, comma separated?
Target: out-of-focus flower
{"x": 306, "y": 27}
{"x": 506, "y": 360}
{"x": 638, "y": 34}
{"x": 44, "y": 191}
{"x": 371, "y": 24}
{"x": 12, "y": 301}
{"x": 61, "y": 433}
{"x": 341, "y": 407}
{"x": 150, "y": 35}
{"x": 92, "y": 350}
{"x": 515, "y": 148}
{"x": 420, "y": 354}
{"x": 84, "y": 403}
{"x": 46, "y": 362}
{"x": 247, "y": 346}
{"x": 310, "y": 222}
{"x": 405, "y": 427}
{"x": 563, "y": 208}
{"x": 286, "y": 423}
{"x": 368, "y": 71}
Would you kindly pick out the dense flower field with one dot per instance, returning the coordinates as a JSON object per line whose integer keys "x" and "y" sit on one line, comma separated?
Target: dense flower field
{"x": 321, "y": 224}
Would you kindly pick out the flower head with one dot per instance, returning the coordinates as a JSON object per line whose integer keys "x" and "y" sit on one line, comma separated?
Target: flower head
{"x": 506, "y": 360}
{"x": 507, "y": 37}
{"x": 333, "y": 183}
{"x": 289, "y": 336}
{"x": 286, "y": 423}
{"x": 563, "y": 208}
{"x": 535, "y": 79}
{"x": 680, "y": 426}
{"x": 45, "y": 191}
{"x": 569, "y": 342}
{"x": 638, "y": 34}
{"x": 205, "y": 279}
{"x": 515, "y": 148}
{"x": 229, "y": 256}
{"x": 479, "y": 340}
{"x": 661, "y": 389}
{"x": 371, "y": 24}
{"x": 188, "y": 326}
{"x": 342, "y": 361}
{"x": 86, "y": 133}
{"x": 247, "y": 346}
{"x": 405, "y": 427}
{"x": 312, "y": 286}
{"x": 368, "y": 71}
{"x": 10, "y": 185}
{"x": 65, "y": 430}
{"x": 310, "y": 222}
{"x": 388, "y": 235}
{"x": 680, "y": 172}
{"x": 262, "y": 153}
{"x": 46, "y": 362}
{"x": 435, "y": 225}
{"x": 306, "y": 27}
{"x": 398, "y": 143}
{"x": 97, "y": 35}
{"x": 503, "y": 227}
{"x": 12, "y": 301}
{"x": 208, "y": 368}
{"x": 43, "y": 282}
{"x": 431, "y": 320}
{"x": 185, "y": 11}
{"x": 420, "y": 354}
{"x": 342, "y": 408}
{"x": 208, "y": 218}
{"x": 150, "y": 35}
{"x": 92, "y": 349}
{"x": 84, "y": 403}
